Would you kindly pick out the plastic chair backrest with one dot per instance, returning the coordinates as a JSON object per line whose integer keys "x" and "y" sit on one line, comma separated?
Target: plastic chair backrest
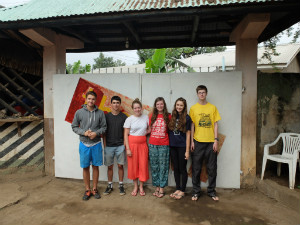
{"x": 291, "y": 143}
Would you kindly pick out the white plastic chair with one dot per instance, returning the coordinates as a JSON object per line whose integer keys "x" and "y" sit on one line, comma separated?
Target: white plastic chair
{"x": 290, "y": 155}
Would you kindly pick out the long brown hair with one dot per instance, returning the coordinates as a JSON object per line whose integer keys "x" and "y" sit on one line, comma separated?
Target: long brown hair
{"x": 181, "y": 125}
{"x": 155, "y": 111}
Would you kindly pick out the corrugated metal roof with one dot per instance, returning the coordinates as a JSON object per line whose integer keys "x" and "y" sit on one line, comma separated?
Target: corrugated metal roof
{"x": 42, "y": 9}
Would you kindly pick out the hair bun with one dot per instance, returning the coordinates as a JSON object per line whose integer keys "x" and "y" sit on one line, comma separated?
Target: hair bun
{"x": 136, "y": 99}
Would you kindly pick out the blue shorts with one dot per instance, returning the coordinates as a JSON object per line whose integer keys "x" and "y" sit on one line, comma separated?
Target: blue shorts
{"x": 111, "y": 152}
{"x": 90, "y": 155}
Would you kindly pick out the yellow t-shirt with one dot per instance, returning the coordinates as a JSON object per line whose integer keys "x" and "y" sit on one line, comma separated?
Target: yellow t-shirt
{"x": 204, "y": 118}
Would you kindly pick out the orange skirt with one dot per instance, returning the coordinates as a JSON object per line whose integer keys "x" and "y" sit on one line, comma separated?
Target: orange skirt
{"x": 138, "y": 162}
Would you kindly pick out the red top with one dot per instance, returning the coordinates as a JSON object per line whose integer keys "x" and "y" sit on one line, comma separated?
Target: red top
{"x": 159, "y": 131}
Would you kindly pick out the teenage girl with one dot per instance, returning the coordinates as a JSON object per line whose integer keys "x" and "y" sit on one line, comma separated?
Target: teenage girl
{"x": 159, "y": 146}
{"x": 135, "y": 132}
{"x": 180, "y": 135}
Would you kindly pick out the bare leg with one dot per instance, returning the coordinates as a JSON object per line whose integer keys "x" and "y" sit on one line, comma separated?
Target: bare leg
{"x": 86, "y": 178}
{"x": 121, "y": 172}
{"x": 95, "y": 176}
{"x": 110, "y": 173}
{"x": 135, "y": 189}
{"x": 142, "y": 188}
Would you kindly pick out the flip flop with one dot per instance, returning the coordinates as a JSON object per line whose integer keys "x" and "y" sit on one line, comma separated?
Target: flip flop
{"x": 134, "y": 193}
{"x": 173, "y": 195}
{"x": 179, "y": 196}
{"x": 214, "y": 197}
{"x": 142, "y": 193}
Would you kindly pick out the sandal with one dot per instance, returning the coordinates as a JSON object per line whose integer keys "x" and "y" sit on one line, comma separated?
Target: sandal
{"x": 160, "y": 194}
{"x": 173, "y": 195}
{"x": 142, "y": 193}
{"x": 213, "y": 197}
{"x": 179, "y": 196}
{"x": 155, "y": 193}
{"x": 195, "y": 197}
{"x": 134, "y": 193}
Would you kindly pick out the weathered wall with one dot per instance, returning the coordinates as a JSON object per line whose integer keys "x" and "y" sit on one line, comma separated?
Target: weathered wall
{"x": 224, "y": 90}
{"x": 278, "y": 110}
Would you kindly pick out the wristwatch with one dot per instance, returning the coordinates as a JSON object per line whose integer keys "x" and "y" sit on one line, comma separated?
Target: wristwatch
{"x": 217, "y": 139}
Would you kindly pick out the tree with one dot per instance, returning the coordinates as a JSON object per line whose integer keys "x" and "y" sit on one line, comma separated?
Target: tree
{"x": 158, "y": 63}
{"x": 270, "y": 45}
{"x": 77, "y": 68}
{"x": 104, "y": 62}
{"x": 178, "y": 53}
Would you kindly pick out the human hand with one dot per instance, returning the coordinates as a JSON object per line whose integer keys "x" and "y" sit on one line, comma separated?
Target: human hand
{"x": 128, "y": 152}
{"x": 215, "y": 146}
{"x": 192, "y": 146}
{"x": 92, "y": 135}
{"x": 187, "y": 155}
{"x": 87, "y": 133}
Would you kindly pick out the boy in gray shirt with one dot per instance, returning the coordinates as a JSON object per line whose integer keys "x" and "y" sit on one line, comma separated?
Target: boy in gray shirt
{"x": 89, "y": 123}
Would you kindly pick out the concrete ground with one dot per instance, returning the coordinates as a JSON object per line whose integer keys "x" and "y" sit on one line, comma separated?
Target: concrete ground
{"x": 29, "y": 197}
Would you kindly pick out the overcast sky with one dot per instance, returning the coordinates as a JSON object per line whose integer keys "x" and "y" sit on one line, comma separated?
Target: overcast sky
{"x": 129, "y": 57}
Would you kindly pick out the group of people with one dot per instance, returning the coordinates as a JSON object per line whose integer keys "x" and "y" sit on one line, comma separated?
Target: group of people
{"x": 178, "y": 136}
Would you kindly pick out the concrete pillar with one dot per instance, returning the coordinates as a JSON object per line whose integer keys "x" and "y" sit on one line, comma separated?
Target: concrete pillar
{"x": 246, "y": 61}
{"x": 54, "y": 62}
{"x": 245, "y": 36}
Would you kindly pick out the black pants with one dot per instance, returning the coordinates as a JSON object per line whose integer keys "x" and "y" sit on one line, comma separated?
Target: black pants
{"x": 204, "y": 150}
{"x": 179, "y": 163}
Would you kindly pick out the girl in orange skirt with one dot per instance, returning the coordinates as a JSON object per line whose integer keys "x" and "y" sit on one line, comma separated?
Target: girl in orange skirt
{"x": 136, "y": 127}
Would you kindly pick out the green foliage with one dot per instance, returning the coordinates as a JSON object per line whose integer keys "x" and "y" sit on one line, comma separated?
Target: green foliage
{"x": 104, "y": 62}
{"x": 77, "y": 68}
{"x": 177, "y": 53}
{"x": 158, "y": 63}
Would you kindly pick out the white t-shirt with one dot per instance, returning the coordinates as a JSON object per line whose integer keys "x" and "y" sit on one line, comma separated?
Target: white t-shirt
{"x": 138, "y": 125}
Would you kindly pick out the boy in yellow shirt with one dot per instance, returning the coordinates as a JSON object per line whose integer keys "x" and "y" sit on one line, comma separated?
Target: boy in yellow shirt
{"x": 204, "y": 144}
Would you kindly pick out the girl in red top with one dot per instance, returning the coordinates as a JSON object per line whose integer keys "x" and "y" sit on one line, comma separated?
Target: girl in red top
{"x": 159, "y": 146}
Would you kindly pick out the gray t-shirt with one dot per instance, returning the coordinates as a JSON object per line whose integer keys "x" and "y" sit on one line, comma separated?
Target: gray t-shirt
{"x": 114, "y": 132}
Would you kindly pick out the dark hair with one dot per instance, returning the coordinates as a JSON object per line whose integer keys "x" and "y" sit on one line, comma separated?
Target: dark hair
{"x": 91, "y": 93}
{"x": 155, "y": 111}
{"x": 181, "y": 125}
{"x": 201, "y": 87}
{"x": 116, "y": 98}
{"x": 136, "y": 101}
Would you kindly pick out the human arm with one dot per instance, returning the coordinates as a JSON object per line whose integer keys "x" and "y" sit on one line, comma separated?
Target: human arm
{"x": 126, "y": 141}
{"x": 102, "y": 124}
{"x": 104, "y": 139}
{"x": 216, "y": 144}
{"x": 76, "y": 126}
{"x": 192, "y": 135}
{"x": 188, "y": 141}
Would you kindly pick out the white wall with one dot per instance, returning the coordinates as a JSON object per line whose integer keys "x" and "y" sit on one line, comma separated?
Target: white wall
{"x": 224, "y": 91}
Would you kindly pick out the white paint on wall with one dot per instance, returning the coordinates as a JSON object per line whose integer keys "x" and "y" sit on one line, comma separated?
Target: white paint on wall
{"x": 224, "y": 91}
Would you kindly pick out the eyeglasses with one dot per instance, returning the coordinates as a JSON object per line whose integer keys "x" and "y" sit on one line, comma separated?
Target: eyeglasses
{"x": 201, "y": 93}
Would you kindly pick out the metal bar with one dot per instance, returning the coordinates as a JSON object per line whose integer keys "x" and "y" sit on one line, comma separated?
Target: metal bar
{"x": 24, "y": 92}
